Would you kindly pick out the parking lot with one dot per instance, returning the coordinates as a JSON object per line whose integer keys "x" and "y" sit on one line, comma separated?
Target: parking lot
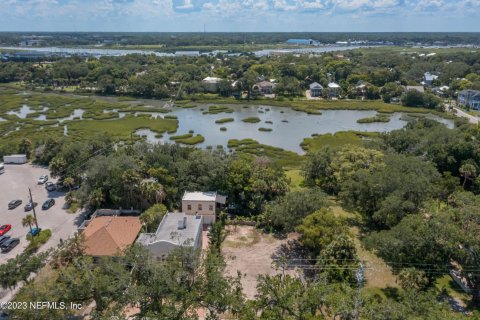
{"x": 14, "y": 184}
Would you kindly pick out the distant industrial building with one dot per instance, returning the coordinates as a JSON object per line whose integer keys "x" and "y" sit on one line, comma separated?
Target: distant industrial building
{"x": 303, "y": 42}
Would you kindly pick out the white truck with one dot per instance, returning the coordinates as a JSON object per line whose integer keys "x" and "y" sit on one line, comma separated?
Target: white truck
{"x": 15, "y": 159}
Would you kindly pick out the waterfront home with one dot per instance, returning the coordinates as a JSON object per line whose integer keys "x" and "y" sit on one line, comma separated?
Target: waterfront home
{"x": 211, "y": 84}
{"x": 469, "y": 98}
{"x": 333, "y": 90}
{"x": 263, "y": 87}
{"x": 316, "y": 90}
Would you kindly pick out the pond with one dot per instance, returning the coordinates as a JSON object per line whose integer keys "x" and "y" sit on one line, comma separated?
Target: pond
{"x": 289, "y": 127}
{"x": 25, "y": 110}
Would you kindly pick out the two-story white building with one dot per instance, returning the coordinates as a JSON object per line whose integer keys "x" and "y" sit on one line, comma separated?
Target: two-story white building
{"x": 206, "y": 204}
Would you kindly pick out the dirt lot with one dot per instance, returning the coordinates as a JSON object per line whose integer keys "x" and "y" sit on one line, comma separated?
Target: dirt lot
{"x": 250, "y": 251}
{"x": 14, "y": 184}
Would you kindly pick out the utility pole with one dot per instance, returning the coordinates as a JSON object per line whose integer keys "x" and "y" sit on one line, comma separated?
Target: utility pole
{"x": 33, "y": 207}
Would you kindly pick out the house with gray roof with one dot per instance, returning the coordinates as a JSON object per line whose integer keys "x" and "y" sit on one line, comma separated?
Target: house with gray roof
{"x": 176, "y": 230}
{"x": 316, "y": 89}
{"x": 469, "y": 98}
{"x": 428, "y": 79}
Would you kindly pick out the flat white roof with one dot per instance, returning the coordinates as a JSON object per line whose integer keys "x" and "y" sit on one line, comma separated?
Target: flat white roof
{"x": 333, "y": 85}
{"x": 169, "y": 230}
{"x": 200, "y": 196}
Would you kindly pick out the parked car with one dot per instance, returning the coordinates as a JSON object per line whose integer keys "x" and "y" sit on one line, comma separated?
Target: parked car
{"x": 29, "y": 206}
{"x": 3, "y": 239}
{"x": 5, "y": 228}
{"x": 48, "y": 204}
{"x": 34, "y": 231}
{"x": 13, "y": 204}
{"x": 50, "y": 186}
{"x": 43, "y": 179}
{"x": 9, "y": 244}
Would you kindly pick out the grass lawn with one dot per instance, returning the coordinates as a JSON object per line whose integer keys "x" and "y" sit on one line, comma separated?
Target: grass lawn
{"x": 296, "y": 179}
{"x": 447, "y": 285}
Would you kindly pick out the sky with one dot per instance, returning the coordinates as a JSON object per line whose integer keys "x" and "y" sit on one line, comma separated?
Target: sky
{"x": 240, "y": 15}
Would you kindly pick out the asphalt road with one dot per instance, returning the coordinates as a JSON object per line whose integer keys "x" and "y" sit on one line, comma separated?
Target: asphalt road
{"x": 472, "y": 119}
{"x": 14, "y": 184}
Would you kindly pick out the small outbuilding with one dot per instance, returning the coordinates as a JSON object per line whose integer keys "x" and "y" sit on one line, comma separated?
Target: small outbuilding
{"x": 15, "y": 159}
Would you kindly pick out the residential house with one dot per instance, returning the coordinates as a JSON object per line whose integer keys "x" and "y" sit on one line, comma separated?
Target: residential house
{"x": 469, "y": 98}
{"x": 263, "y": 87}
{"x": 316, "y": 90}
{"x": 441, "y": 91}
{"x": 429, "y": 78}
{"x": 361, "y": 88}
{"x": 211, "y": 84}
{"x": 333, "y": 90}
{"x": 176, "y": 230}
{"x": 110, "y": 234}
{"x": 415, "y": 88}
{"x": 206, "y": 204}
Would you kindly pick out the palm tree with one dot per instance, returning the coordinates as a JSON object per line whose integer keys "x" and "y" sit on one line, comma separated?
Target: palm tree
{"x": 131, "y": 181}
{"x": 468, "y": 172}
{"x": 152, "y": 191}
{"x": 96, "y": 198}
{"x": 29, "y": 220}
{"x": 69, "y": 182}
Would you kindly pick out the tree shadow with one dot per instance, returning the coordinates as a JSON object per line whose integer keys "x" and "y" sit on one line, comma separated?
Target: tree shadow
{"x": 81, "y": 217}
{"x": 291, "y": 255}
{"x": 392, "y": 293}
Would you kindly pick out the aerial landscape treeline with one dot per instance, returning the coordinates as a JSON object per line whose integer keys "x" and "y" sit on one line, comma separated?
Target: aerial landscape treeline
{"x": 362, "y": 208}
{"x": 174, "y": 40}
{"x": 383, "y": 71}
